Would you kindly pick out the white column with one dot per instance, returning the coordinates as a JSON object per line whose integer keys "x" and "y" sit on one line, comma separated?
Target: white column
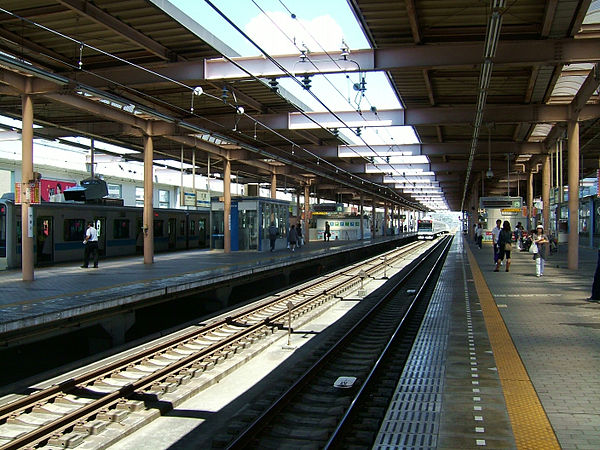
{"x": 273, "y": 185}
{"x": 227, "y": 206}
{"x": 148, "y": 197}
{"x": 306, "y": 212}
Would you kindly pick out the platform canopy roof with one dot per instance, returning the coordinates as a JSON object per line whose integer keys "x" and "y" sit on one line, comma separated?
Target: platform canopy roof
{"x": 485, "y": 84}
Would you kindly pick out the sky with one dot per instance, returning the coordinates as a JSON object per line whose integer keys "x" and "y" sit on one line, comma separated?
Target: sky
{"x": 285, "y": 26}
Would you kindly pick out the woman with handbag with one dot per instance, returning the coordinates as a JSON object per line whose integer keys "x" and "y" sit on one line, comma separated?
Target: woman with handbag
{"x": 541, "y": 241}
{"x": 504, "y": 245}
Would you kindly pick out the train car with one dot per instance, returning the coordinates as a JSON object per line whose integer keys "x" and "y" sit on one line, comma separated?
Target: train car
{"x": 59, "y": 229}
{"x": 431, "y": 228}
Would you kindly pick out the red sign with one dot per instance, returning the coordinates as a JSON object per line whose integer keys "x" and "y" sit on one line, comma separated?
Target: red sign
{"x": 52, "y": 189}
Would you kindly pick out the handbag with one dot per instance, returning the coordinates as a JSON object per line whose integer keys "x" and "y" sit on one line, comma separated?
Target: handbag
{"x": 533, "y": 248}
{"x": 507, "y": 247}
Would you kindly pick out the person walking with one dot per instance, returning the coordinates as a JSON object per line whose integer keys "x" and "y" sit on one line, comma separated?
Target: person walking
{"x": 495, "y": 235}
{"x": 91, "y": 246}
{"x": 504, "y": 246}
{"x": 293, "y": 237}
{"x": 273, "y": 232}
{"x": 541, "y": 241}
{"x": 327, "y": 234}
{"x": 479, "y": 235}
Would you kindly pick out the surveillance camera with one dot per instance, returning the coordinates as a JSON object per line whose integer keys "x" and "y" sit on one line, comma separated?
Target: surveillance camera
{"x": 489, "y": 174}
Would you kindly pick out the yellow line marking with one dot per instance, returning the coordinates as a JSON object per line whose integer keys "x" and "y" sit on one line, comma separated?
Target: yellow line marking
{"x": 531, "y": 427}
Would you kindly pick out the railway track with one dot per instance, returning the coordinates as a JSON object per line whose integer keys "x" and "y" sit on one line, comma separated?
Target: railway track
{"x": 340, "y": 400}
{"x": 91, "y": 404}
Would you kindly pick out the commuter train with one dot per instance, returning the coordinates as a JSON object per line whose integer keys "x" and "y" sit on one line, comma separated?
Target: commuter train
{"x": 430, "y": 228}
{"x": 59, "y": 228}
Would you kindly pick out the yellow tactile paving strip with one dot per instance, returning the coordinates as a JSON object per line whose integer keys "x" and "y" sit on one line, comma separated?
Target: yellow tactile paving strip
{"x": 531, "y": 427}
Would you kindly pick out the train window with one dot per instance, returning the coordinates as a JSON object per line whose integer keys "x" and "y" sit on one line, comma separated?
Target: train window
{"x": 121, "y": 228}
{"x": 182, "y": 227}
{"x": 74, "y": 229}
{"x": 159, "y": 230}
{"x": 163, "y": 198}
{"x": 192, "y": 227}
{"x": 139, "y": 196}
{"x": 114, "y": 190}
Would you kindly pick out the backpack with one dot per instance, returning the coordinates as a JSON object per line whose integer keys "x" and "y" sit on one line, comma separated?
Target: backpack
{"x": 272, "y": 231}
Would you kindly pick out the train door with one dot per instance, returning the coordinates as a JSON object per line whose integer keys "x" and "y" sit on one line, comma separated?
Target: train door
{"x": 184, "y": 230}
{"x": 100, "y": 224}
{"x": 172, "y": 233}
{"x": 44, "y": 240}
{"x": 139, "y": 236}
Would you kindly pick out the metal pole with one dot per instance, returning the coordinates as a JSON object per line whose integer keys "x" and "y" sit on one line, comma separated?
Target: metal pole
{"x": 210, "y": 230}
{"x": 92, "y": 157}
{"x": 148, "y": 227}
{"x": 227, "y": 206}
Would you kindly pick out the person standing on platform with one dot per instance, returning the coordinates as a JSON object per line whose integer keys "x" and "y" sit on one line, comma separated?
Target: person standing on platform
{"x": 479, "y": 235}
{"x": 495, "y": 235}
{"x": 327, "y": 234}
{"x": 293, "y": 237}
{"x": 91, "y": 246}
{"x": 273, "y": 232}
{"x": 519, "y": 235}
{"x": 596, "y": 284}
{"x": 541, "y": 241}
{"x": 299, "y": 233}
{"x": 504, "y": 245}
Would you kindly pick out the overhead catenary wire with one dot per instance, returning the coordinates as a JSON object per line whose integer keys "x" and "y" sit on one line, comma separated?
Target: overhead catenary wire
{"x": 361, "y": 93}
{"x": 82, "y": 44}
{"x": 284, "y": 70}
{"x": 305, "y": 56}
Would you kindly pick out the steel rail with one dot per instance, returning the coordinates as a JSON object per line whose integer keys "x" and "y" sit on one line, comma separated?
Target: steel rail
{"x": 107, "y": 400}
{"x": 251, "y": 431}
{"x": 46, "y": 394}
{"x": 343, "y": 423}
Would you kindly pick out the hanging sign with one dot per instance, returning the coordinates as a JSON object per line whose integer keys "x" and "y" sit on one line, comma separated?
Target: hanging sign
{"x": 202, "y": 199}
{"x": 189, "y": 198}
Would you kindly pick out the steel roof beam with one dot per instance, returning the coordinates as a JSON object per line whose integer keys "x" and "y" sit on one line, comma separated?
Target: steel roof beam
{"x": 95, "y": 14}
{"x": 439, "y": 115}
{"x": 549, "y": 52}
{"x": 434, "y": 149}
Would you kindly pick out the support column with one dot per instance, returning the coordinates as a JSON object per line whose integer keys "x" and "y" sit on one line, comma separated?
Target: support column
{"x": 227, "y": 206}
{"x": 273, "y": 185}
{"x": 361, "y": 213}
{"x": 530, "y": 199}
{"x": 306, "y": 212}
{"x": 27, "y": 220}
{"x": 573, "y": 180}
{"x": 546, "y": 194}
{"x": 148, "y": 227}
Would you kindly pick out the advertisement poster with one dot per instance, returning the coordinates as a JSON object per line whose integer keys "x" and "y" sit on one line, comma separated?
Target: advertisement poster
{"x": 52, "y": 190}
{"x": 32, "y": 193}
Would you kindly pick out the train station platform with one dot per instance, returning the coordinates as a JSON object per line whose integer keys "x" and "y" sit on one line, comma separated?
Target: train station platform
{"x": 502, "y": 360}
{"x": 64, "y": 297}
